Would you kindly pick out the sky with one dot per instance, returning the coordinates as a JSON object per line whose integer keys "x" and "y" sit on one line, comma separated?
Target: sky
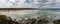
{"x": 18, "y": 3}
{"x": 29, "y": 4}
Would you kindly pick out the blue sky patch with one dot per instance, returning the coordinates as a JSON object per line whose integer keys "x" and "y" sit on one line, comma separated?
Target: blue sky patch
{"x": 29, "y": 1}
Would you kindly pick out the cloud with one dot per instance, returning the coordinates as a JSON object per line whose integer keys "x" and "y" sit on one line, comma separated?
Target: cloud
{"x": 34, "y": 4}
